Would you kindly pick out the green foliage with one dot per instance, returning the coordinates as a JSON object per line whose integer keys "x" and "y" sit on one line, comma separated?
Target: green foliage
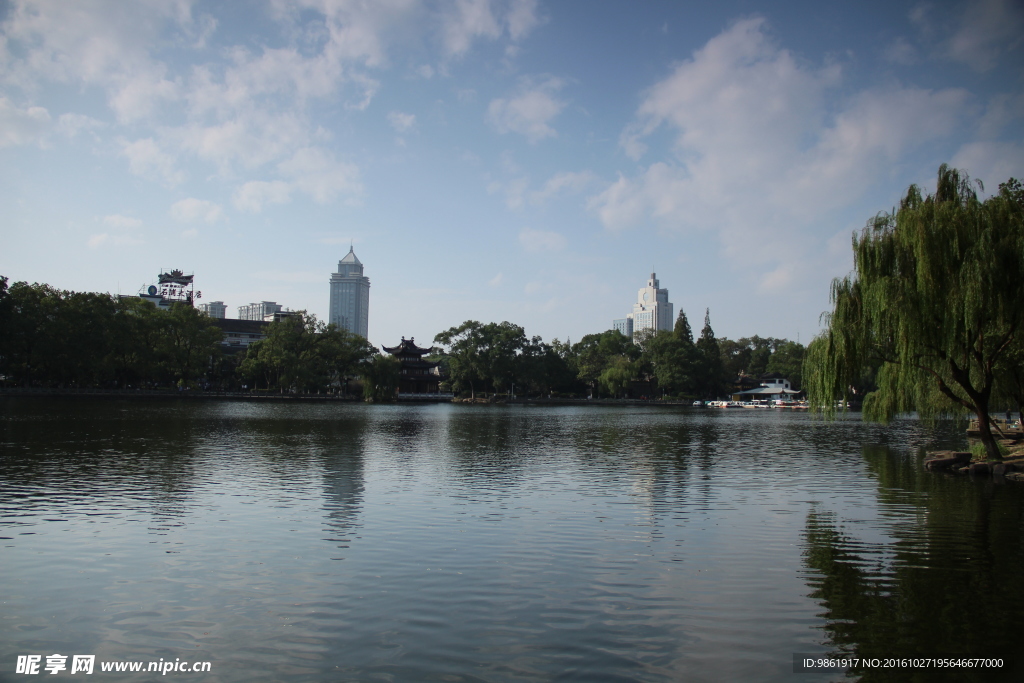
{"x": 483, "y": 356}
{"x": 979, "y": 453}
{"x": 711, "y": 377}
{"x": 186, "y": 343}
{"x": 673, "y": 358}
{"x": 60, "y": 338}
{"x": 788, "y": 361}
{"x": 936, "y": 300}
{"x": 302, "y": 354}
{"x": 615, "y": 378}
{"x": 594, "y": 354}
{"x": 380, "y": 377}
{"x": 543, "y": 368}
{"x": 756, "y": 356}
{"x": 79, "y": 339}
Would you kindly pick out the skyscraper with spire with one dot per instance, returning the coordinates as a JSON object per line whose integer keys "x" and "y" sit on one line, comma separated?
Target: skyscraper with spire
{"x": 350, "y": 295}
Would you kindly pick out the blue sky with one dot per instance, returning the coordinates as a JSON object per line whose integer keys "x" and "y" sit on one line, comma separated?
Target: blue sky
{"x": 490, "y": 159}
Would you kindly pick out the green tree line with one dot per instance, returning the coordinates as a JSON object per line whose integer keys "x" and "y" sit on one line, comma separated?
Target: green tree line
{"x": 58, "y": 338}
{"x": 55, "y": 338}
{"x": 63, "y": 339}
{"x": 934, "y": 308}
{"x": 498, "y": 358}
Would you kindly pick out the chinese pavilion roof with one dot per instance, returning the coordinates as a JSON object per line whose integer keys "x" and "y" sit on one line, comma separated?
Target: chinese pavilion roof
{"x": 406, "y": 348}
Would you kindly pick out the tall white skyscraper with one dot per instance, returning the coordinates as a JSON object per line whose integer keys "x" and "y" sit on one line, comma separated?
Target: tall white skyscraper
{"x": 652, "y": 311}
{"x": 350, "y": 296}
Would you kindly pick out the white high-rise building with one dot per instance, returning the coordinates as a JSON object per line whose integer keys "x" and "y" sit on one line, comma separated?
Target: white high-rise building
{"x": 214, "y": 309}
{"x": 350, "y": 296}
{"x": 262, "y": 310}
{"x": 652, "y": 311}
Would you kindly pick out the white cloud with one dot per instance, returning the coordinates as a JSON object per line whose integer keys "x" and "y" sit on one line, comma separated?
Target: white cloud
{"x": 529, "y": 110}
{"x": 126, "y": 237}
{"x": 1000, "y": 114}
{"x": 312, "y": 171}
{"x": 561, "y": 182}
{"x": 121, "y": 222}
{"x": 21, "y": 126}
{"x": 466, "y": 21}
{"x": 401, "y": 121}
{"x": 140, "y": 95}
{"x": 757, "y": 155}
{"x": 193, "y": 210}
{"x": 514, "y": 191}
{"x": 991, "y": 161}
{"x": 360, "y": 32}
{"x": 521, "y": 18}
{"x": 988, "y": 29}
{"x": 256, "y": 194}
{"x": 104, "y": 43}
{"x": 316, "y": 172}
{"x": 146, "y": 158}
{"x": 252, "y": 139}
{"x": 496, "y": 280}
{"x": 779, "y": 278}
{"x": 72, "y": 124}
{"x": 541, "y": 241}
{"x": 101, "y": 239}
{"x": 96, "y": 240}
{"x": 900, "y": 51}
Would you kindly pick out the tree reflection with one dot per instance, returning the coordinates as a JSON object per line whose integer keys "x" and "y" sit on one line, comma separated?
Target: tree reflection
{"x": 942, "y": 586}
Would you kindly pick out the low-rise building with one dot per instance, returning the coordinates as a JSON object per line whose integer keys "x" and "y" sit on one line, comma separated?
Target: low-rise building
{"x": 774, "y": 387}
{"x": 239, "y": 334}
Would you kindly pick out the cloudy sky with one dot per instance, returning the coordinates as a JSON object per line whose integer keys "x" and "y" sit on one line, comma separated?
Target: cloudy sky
{"x": 490, "y": 159}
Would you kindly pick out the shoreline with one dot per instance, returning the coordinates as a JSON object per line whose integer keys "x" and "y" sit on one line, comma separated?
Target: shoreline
{"x": 16, "y": 392}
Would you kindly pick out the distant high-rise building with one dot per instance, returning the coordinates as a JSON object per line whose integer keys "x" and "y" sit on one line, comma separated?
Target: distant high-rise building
{"x": 262, "y": 311}
{"x": 350, "y": 296}
{"x": 652, "y": 311}
{"x": 214, "y": 309}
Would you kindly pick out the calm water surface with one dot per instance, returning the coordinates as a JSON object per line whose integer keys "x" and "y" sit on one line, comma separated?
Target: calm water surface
{"x": 470, "y": 543}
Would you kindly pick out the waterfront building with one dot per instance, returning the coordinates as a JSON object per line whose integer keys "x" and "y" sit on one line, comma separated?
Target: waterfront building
{"x": 238, "y": 334}
{"x": 350, "y": 296}
{"x": 171, "y": 288}
{"x": 417, "y": 377}
{"x": 652, "y": 311}
{"x": 214, "y": 309}
{"x": 624, "y": 325}
{"x": 774, "y": 387}
{"x": 262, "y": 311}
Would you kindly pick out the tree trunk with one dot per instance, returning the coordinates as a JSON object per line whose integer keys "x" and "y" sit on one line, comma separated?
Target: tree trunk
{"x": 985, "y": 427}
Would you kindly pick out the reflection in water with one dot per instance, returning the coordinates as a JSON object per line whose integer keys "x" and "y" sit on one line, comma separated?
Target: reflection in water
{"x": 926, "y": 589}
{"x": 342, "y": 468}
{"x": 322, "y": 542}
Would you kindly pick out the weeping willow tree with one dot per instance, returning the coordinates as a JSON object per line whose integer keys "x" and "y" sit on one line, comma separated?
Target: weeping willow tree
{"x": 936, "y": 298}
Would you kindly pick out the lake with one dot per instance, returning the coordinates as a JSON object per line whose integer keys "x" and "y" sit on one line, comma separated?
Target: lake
{"x": 333, "y": 542}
